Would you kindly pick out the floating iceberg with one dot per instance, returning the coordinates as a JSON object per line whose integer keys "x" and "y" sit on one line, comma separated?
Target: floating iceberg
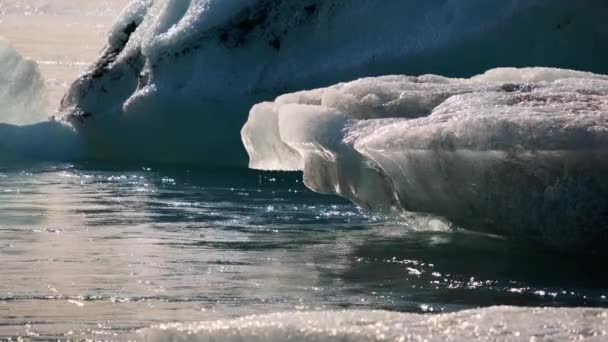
{"x": 177, "y": 78}
{"x": 22, "y": 89}
{"x": 499, "y": 323}
{"x": 519, "y": 152}
{"x": 23, "y": 102}
{"x": 49, "y": 141}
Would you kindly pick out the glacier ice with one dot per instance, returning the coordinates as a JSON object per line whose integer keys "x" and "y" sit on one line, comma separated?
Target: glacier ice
{"x": 519, "y": 152}
{"x": 25, "y": 132}
{"x": 177, "y": 77}
{"x": 490, "y": 324}
{"x": 22, "y": 88}
{"x": 48, "y": 140}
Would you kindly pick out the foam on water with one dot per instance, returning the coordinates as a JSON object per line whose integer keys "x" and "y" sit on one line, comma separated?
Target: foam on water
{"x": 499, "y": 323}
{"x": 513, "y": 151}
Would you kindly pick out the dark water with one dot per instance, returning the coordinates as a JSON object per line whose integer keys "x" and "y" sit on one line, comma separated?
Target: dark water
{"x": 93, "y": 251}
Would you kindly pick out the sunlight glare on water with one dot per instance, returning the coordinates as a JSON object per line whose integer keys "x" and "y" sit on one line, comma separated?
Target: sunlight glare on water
{"x": 92, "y": 251}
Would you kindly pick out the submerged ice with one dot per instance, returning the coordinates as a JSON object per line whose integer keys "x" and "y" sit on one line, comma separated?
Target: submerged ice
{"x": 520, "y": 152}
{"x": 177, "y": 78}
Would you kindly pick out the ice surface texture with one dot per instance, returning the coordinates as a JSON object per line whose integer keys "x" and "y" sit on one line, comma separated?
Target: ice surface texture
{"x": 520, "y": 152}
{"x": 177, "y": 77}
{"x": 493, "y": 324}
{"x": 22, "y": 94}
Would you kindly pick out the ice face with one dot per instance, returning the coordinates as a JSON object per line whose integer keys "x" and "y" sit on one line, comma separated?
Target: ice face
{"x": 519, "y": 152}
{"x": 25, "y": 131}
{"x": 22, "y": 91}
{"x": 48, "y": 140}
{"x": 177, "y": 77}
{"x": 500, "y": 323}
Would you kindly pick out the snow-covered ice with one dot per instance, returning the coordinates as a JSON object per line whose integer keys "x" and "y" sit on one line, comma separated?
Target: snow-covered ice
{"x": 520, "y": 152}
{"x": 177, "y": 78}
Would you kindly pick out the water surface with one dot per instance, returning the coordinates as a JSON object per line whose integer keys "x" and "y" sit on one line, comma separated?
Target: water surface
{"x": 92, "y": 251}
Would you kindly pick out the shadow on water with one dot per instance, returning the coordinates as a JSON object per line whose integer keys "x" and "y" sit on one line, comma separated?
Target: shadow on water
{"x": 454, "y": 270}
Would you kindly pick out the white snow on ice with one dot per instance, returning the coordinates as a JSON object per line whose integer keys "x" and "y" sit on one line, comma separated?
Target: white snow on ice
{"x": 177, "y": 78}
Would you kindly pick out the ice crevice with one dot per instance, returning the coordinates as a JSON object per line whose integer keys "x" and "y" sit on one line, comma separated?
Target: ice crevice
{"x": 518, "y": 152}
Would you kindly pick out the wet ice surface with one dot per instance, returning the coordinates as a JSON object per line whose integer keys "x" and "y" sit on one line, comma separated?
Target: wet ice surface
{"x": 90, "y": 251}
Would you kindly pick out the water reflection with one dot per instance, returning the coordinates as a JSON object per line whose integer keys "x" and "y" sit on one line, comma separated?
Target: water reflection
{"x": 93, "y": 250}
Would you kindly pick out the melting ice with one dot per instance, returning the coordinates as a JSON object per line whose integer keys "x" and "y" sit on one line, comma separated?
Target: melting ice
{"x": 513, "y": 151}
{"x": 517, "y": 152}
{"x": 177, "y": 78}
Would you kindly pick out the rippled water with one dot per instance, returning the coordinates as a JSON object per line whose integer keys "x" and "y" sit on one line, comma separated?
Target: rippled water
{"x": 92, "y": 251}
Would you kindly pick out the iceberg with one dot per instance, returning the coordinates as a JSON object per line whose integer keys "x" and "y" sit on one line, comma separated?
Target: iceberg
{"x": 177, "y": 77}
{"x": 22, "y": 88}
{"x": 25, "y": 131}
{"x": 50, "y": 140}
{"x": 517, "y": 152}
{"x": 490, "y": 324}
